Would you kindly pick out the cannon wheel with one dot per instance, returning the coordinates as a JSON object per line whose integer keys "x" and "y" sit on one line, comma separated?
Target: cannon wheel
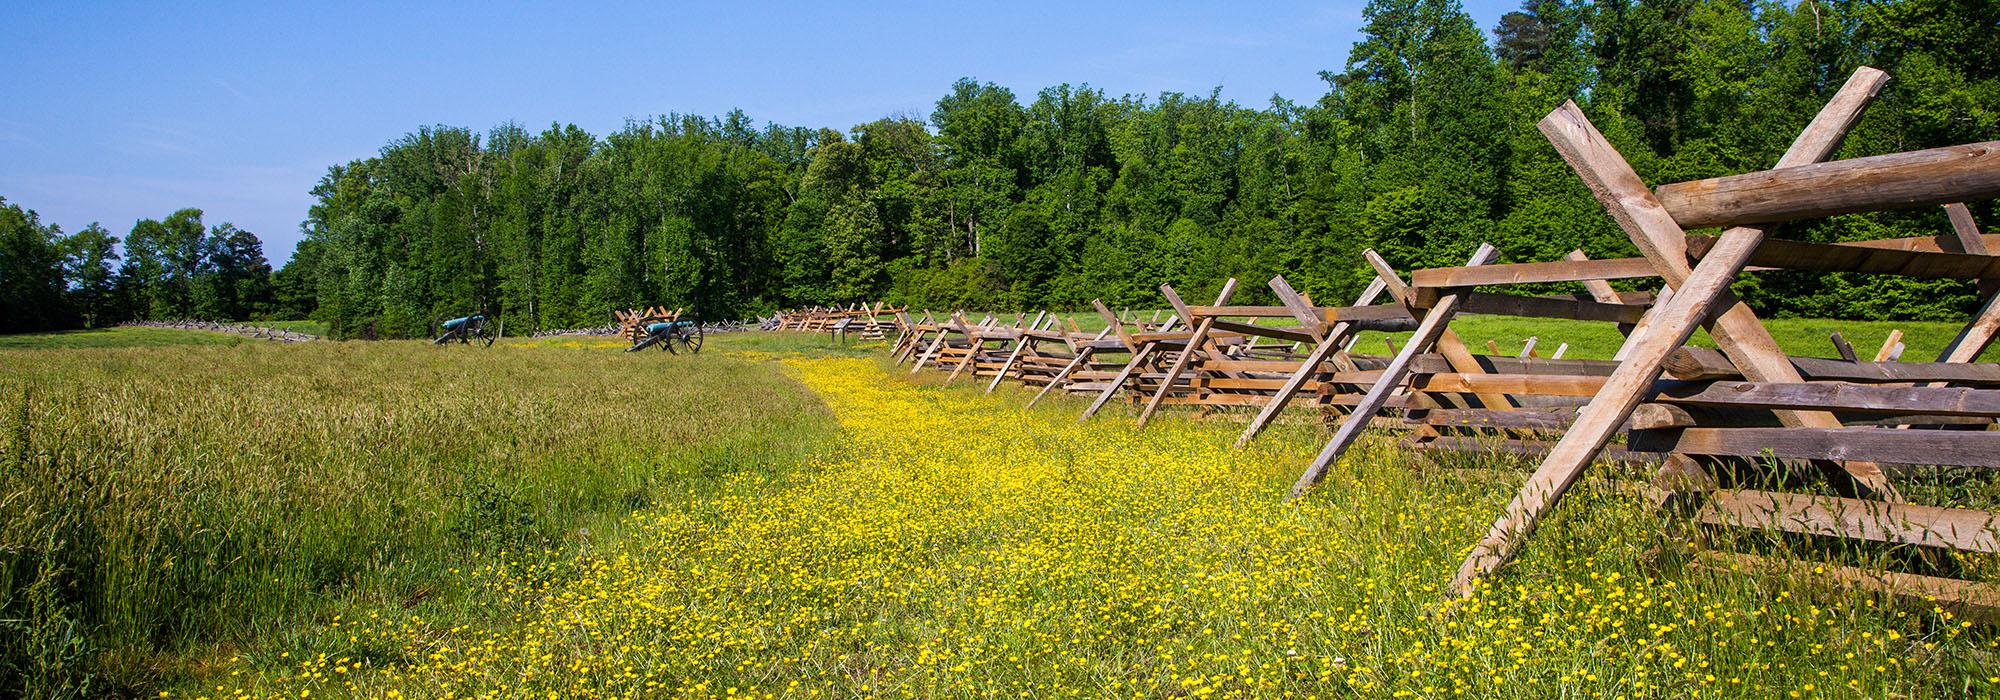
{"x": 437, "y": 331}
{"x": 689, "y": 337}
{"x": 489, "y": 333}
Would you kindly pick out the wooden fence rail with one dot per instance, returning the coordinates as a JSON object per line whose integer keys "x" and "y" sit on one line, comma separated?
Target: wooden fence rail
{"x": 1861, "y": 422}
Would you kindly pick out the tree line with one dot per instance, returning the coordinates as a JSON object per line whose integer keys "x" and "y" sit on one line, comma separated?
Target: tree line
{"x": 1422, "y": 147}
{"x": 170, "y": 268}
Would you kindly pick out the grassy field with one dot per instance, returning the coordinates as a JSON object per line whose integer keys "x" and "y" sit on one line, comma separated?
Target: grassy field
{"x": 117, "y": 337}
{"x": 141, "y": 337}
{"x": 162, "y": 509}
{"x": 781, "y": 518}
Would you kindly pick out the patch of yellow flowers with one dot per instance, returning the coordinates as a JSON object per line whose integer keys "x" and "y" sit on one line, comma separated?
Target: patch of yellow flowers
{"x": 953, "y": 545}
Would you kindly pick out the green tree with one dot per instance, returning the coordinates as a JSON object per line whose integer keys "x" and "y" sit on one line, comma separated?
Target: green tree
{"x": 1428, "y": 95}
{"x": 31, "y": 272}
{"x": 88, "y": 255}
{"x": 235, "y": 283}
{"x": 295, "y": 287}
{"x": 163, "y": 260}
{"x": 978, "y": 128}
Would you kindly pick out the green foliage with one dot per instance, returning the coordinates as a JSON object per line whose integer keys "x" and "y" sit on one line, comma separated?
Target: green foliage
{"x": 31, "y": 272}
{"x": 1423, "y": 147}
{"x": 172, "y": 268}
{"x": 93, "y": 284}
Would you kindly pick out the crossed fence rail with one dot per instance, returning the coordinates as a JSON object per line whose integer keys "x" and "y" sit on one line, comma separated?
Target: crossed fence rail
{"x": 1725, "y": 430}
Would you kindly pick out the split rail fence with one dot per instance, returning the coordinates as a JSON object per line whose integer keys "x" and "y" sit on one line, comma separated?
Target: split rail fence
{"x": 1740, "y": 437}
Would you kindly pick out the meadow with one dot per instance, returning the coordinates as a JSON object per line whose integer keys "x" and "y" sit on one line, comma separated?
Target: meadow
{"x": 779, "y": 517}
{"x": 116, "y": 337}
{"x": 161, "y": 506}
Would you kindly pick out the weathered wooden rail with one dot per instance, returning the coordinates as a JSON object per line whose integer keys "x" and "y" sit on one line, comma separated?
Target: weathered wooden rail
{"x": 1860, "y": 423}
{"x": 1748, "y": 401}
{"x": 876, "y": 321}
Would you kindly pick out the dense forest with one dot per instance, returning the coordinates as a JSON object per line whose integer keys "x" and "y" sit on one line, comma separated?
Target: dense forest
{"x": 169, "y": 268}
{"x": 1422, "y": 147}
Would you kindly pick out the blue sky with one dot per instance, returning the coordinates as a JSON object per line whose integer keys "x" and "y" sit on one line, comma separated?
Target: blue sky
{"x": 121, "y": 111}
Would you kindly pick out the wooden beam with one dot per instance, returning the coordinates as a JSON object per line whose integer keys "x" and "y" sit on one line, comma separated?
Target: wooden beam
{"x": 1965, "y": 598}
{"x": 1533, "y": 273}
{"x": 1331, "y": 346}
{"x": 1958, "y": 528}
{"x": 1548, "y": 307}
{"x": 936, "y": 343}
{"x": 1598, "y": 288}
{"x": 1194, "y": 347}
{"x": 1655, "y": 416}
{"x": 1962, "y": 448}
{"x": 1447, "y": 342}
{"x": 1501, "y": 364}
{"x": 1386, "y": 313}
{"x": 1293, "y": 335}
{"x": 1973, "y": 339}
{"x": 1663, "y": 241}
{"x": 1933, "y": 244}
{"x": 975, "y": 344}
{"x": 1117, "y": 383}
{"x": 1845, "y": 349}
{"x": 1301, "y": 309}
{"x": 1082, "y": 358}
{"x": 1833, "y": 257}
{"x": 1854, "y": 398}
{"x": 1697, "y": 364}
{"x": 1428, "y": 333}
{"x": 1969, "y": 172}
{"x": 1892, "y": 347}
{"x": 1241, "y": 311}
{"x": 1020, "y": 343}
{"x": 1536, "y": 384}
{"x": 1977, "y": 334}
{"x": 1111, "y": 321}
{"x": 1548, "y": 419}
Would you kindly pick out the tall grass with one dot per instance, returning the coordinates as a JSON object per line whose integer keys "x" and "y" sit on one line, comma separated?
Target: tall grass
{"x": 118, "y": 337}
{"x": 553, "y": 516}
{"x": 951, "y": 544}
{"x": 160, "y": 506}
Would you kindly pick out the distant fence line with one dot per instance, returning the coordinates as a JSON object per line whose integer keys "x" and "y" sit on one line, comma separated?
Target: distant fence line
{"x": 242, "y": 329}
{"x": 612, "y": 329}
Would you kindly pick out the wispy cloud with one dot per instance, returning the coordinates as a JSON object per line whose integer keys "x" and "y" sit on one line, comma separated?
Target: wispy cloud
{"x": 269, "y": 200}
{"x": 164, "y": 146}
{"x": 231, "y": 88}
{"x": 14, "y": 132}
{"x": 141, "y": 138}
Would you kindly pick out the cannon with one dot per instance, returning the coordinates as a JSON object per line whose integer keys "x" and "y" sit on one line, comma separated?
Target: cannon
{"x": 675, "y": 336}
{"x": 467, "y": 330}
{"x": 655, "y": 325}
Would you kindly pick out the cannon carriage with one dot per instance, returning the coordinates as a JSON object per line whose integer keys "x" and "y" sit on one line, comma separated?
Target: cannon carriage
{"x": 657, "y": 327}
{"x": 477, "y": 329}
